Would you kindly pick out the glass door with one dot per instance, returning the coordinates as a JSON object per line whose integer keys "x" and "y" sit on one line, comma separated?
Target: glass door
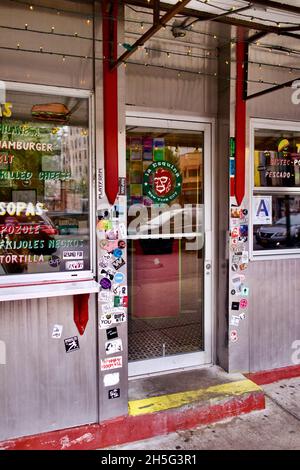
{"x": 169, "y": 246}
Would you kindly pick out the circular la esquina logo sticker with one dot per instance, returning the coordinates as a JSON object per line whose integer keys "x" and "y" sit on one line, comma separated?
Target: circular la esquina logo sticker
{"x": 162, "y": 182}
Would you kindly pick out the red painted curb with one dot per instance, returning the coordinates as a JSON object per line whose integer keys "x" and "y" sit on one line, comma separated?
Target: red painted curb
{"x": 268, "y": 376}
{"x": 133, "y": 428}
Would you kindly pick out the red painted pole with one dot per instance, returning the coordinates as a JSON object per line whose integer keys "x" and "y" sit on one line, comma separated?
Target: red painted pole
{"x": 110, "y": 98}
{"x": 240, "y": 118}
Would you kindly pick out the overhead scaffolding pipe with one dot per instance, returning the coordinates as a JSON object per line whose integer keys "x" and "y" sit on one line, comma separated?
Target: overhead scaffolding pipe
{"x": 158, "y": 24}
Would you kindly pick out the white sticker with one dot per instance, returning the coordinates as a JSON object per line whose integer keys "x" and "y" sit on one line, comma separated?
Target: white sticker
{"x": 2, "y": 353}
{"x": 111, "y": 379}
{"x": 74, "y": 265}
{"x": 122, "y": 231}
{"x": 100, "y": 183}
{"x": 119, "y": 316}
{"x": 105, "y": 322}
{"x": 111, "y": 363}
{"x": 73, "y": 255}
{"x": 235, "y": 320}
{"x": 106, "y": 296}
{"x": 262, "y": 210}
{"x": 119, "y": 290}
{"x": 245, "y": 257}
{"x": 107, "y": 308}
{"x": 237, "y": 280}
{"x": 113, "y": 346}
{"x": 57, "y": 331}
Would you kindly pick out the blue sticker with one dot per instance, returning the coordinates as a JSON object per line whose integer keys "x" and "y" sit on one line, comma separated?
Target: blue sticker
{"x": 245, "y": 291}
{"x": 117, "y": 252}
{"x": 119, "y": 277}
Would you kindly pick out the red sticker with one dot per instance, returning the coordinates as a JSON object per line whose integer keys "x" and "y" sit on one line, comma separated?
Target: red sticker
{"x": 235, "y": 232}
{"x": 233, "y": 336}
{"x": 243, "y": 303}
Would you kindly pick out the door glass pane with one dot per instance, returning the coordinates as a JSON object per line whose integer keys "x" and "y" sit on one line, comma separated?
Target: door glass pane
{"x": 165, "y": 246}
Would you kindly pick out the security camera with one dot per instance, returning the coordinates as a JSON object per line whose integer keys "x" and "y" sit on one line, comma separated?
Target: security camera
{"x": 177, "y": 30}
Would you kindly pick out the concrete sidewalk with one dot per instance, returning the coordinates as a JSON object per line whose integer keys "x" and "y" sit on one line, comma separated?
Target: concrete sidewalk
{"x": 276, "y": 427}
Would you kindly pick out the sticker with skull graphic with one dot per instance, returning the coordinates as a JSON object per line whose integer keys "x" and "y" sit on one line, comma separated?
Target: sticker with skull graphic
{"x": 162, "y": 182}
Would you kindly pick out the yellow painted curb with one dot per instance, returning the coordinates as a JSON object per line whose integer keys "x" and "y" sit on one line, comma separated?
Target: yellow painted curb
{"x": 175, "y": 400}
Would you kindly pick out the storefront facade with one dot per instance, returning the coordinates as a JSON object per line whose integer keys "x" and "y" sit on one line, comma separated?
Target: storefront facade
{"x": 149, "y": 216}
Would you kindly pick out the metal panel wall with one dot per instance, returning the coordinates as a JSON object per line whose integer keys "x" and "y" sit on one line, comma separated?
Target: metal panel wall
{"x": 32, "y": 53}
{"x": 149, "y": 82}
{"x": 43, "y": 388}
{"x": 274, "y": 316}
{"x": 274, "y": 292}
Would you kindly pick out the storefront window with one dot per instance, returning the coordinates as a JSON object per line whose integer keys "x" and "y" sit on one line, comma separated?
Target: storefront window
{"x": 276, "y": 191}
{"x": 44, "y": 185}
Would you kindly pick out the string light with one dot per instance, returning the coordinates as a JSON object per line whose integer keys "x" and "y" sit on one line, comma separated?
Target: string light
{"x": 168, "y": 53}
{"x": 179, "y": 71}
{"x": 31, "y": 7}
{"x": 249, "y": 16}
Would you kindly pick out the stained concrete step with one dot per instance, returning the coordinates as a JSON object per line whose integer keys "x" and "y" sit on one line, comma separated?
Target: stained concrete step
{"x": 181, "y": 400}
{"x": 157, "y": 406}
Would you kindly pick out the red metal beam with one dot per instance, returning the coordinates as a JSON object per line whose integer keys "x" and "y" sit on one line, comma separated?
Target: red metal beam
{"x": 110, "y": 98}
{"x": 240, "y": 117}
{"x": 174, "y": 10}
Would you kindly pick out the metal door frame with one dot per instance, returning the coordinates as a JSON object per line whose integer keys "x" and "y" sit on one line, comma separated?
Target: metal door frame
{"x": 201, "y": 358}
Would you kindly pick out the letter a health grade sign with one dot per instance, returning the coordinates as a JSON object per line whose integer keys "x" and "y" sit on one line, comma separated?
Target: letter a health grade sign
{"x": 262, "y": 210}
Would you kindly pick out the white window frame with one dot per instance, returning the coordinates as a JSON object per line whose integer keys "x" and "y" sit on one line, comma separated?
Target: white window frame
{"x": 185, "y": 361}
{"x": 279, "y": 125}
{"x": 45, "y": 278}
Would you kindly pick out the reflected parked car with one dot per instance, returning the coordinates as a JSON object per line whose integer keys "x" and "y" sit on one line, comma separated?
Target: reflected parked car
{"x": 276, "y": 235}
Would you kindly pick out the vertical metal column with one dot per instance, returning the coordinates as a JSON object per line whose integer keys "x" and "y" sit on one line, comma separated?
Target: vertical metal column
{"x": 111, "y": 240}
{"x": 240, "y": 117}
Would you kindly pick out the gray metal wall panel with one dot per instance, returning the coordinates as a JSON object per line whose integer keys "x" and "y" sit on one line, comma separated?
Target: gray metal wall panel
{"x": 274, "y": 317}
{"x": 43, "y": 388}
{"x": 155, "y": 87}
{"x": 222, "y": 184}
{"x": 43, "y": 68}
{"x": 162, "y": 90}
